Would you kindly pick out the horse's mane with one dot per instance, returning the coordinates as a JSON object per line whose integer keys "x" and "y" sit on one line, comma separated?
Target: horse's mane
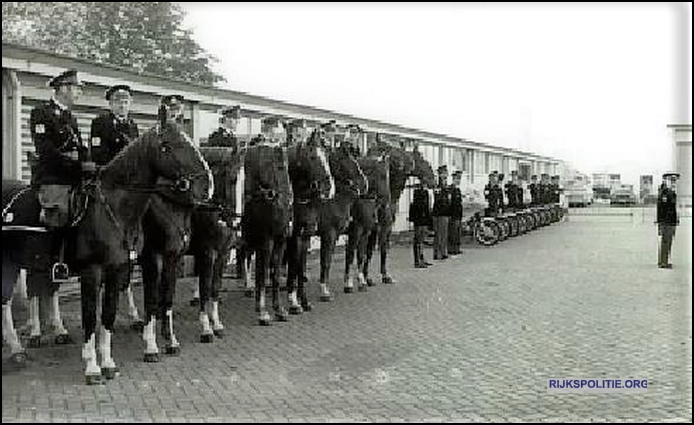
{"x": 125, "y": 167}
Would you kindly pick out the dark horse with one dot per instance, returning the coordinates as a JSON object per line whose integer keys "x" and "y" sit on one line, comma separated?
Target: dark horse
{"x": 214, "y": 233}
{"x": 367, "y": 211}
{"x": 312, "y": 184}
{"x": 403, "y": 164}
{"x": 167, "y": 231}
{"x": 108, "y": 230}
{"x": 265, "y": 224}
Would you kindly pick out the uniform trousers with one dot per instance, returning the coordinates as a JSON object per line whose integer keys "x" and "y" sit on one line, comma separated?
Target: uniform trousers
{"x": 440, "y": 237}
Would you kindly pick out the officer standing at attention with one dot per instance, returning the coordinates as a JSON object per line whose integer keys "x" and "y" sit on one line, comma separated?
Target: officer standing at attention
{"x": 114, "y": 130}
{"x": 454, "y": 224}
{"x": 666, "y": 217}
{"x": 420, "y": 216}
{"x": 441, "y": 213}
{"x": 555, "y": 190}
{"x": 493, "y": 195}
{"x": 225, "y": 135}
{"x": 57, "y": 170}
{"x": 534, "y": 187}
{"x": 545, "y": 189}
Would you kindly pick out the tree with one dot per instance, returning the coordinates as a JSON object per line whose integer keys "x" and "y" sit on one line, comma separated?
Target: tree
{"x": 145, "y": 37}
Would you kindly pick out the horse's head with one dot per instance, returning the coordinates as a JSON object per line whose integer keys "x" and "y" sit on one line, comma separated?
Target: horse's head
{"x": 377, "y": 170}
{"x": 176, "y": 158}
{"x": 347, "y": 172}
{"x": 310, "y": 171}
{"x": 423, "y": 170}
{"x": 402, "y": 163}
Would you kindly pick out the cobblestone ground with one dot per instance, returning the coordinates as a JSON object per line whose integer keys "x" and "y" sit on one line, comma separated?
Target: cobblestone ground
{"x": 473, "y": 338}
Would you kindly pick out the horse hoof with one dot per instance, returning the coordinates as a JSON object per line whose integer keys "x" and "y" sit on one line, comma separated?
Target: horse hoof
{"x": 18, "y": 359}
{"x": 363, "y": 288}
{"x": 307, "y": 306}
{"x": 249, "y": 293}
{"x": 63, "y": 339}
{"x": 387, "y": 280}
{"x": 326, "y": 298}
{"x": 349, "y": 289}
{"x": 264, "y": 322}
{"x": 370, "y": 282}
{"x": 207, "y": 338}
{"x": 172, "y": 350}
{"x": 195, "y": 302}
{"x": 93, "y": 379}
{"x": 137, "y": 326}
{"x": 296, "y": 309}
{"x": 109, "y": 372}
{"x": 34, "y": 342}
{"x": 219, "y": 333}
{"x": 151, "y": 357}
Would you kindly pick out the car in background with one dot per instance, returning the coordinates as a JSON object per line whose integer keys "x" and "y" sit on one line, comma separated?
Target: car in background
{"x": 623, "y": 196}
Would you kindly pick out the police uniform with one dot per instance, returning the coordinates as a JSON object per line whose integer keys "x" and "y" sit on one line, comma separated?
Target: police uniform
{"x": 454, "y": 224}
{"x": 57, "y": 140}
{"x": 667, "y": 219}
{"x": 534, "y": 193}
{"x": 110, "y": 133}
{"x": 545, "y": 191}
{"x": 420, "y": 216}
{"x": 494, "y": 197}
{"x": 57, "y": 170}
{"x": 555, "y": 191}
{"x": 223, "y": 136}
{"x": 441, "y": 213}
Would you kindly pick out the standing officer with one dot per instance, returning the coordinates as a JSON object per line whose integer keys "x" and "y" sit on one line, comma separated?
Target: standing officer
{"x": 114, "y": 130}
{"x": 420, "y": 216}
{"x": 666, "y": 217}
{"x": 493, "y": 195}
{"x": 534, "y": 191}
{"x": 441, "y": 213}
{"x": 57, "y": 170}
{"x": 545, "y": 189}
{"x": 454, "y": 224}
{"x": 225, "y": 135}
{"x": 555, "y": 190}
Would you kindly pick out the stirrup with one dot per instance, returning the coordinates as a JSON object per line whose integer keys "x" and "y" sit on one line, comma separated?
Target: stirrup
{"x": 60, "y": 273}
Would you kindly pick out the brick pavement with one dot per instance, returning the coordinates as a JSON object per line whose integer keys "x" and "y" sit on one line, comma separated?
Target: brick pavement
{"x": 472, "y": 339}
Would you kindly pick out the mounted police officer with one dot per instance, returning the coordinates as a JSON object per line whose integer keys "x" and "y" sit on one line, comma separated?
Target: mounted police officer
{"x": 514, "y": 192}
{"x": 57, "y": 170}
{"x": 225, "y": 135}
{"x": 666, "y": 218}
{"x": 420, "y": 216}
{"x": 454, "y": 224}
{"x": 114, "y": 130}
{"x": 441, "y": 213}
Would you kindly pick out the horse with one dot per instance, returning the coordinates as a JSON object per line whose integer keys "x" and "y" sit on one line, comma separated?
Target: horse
{"x": 167, "y": 231}
{"x": 403, "y": 164}
{"x": 312, "y": 185}
{"x": 214, "y": 233}
{"x": 334, "y": 215}
{"x": 367, "y": 211}
{"x": 266, "y": 220}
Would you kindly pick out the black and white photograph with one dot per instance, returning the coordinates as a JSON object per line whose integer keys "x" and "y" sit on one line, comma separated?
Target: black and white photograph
{"x": 346, "y": 212}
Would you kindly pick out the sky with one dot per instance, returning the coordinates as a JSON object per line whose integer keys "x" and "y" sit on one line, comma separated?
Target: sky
{"x": 593, "y": 85}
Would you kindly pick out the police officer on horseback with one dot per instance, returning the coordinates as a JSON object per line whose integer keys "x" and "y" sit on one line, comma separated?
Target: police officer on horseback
{"x": 225, "y": 135}
{"x": 493, "y": 195}
{"x": 114, "y": 130}
{"x": 57, "y": 168}
{"x": 534, "y": 188}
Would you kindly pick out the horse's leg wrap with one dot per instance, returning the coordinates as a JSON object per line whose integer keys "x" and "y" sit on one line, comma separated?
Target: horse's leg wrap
{"x": 108, "y": 366}
{"x": 206, "y": 335}
{"x": 9, "y": 334}
{"x": 92, "y": 372}
{"x": 217, "y": 326}
{"x": 149, "y": 336}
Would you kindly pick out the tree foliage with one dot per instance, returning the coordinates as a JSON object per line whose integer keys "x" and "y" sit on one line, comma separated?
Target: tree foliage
{"x": 142, "y": 36}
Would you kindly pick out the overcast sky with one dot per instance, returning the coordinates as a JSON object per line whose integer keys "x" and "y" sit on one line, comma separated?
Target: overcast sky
{"x": 595, "y": 85}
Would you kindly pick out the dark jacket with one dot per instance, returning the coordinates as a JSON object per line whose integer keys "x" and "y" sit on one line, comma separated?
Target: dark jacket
{"x": 109, "y": 136}
{"x": 57, "y": 141}
{"x": 442, "y": 201}
{"x": 534, "y": 193}
{"x": 494, "y": 196}
{"x": 545, "y": 193}
{"x": 222, "y": 137}
{"x": 420, "y": 211}
{"x": 555, "y": 193}
{"x": 666, "y": 210}
{"x": 456, "y": 202}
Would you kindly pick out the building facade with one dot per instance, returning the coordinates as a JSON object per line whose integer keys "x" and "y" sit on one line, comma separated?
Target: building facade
{"x": 26, "y": 71}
